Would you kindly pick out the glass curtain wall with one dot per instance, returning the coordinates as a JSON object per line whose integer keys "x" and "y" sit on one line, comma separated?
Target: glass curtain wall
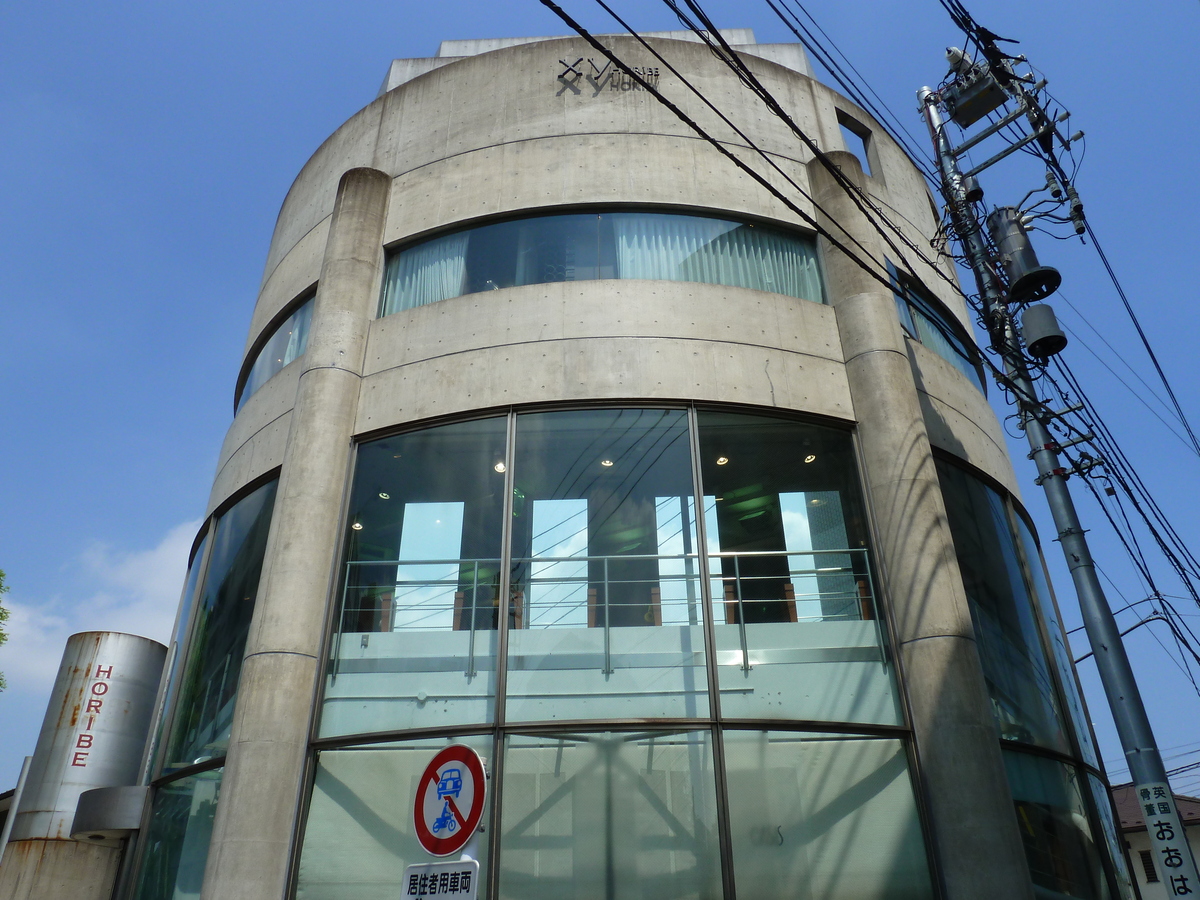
{"x": 1035, "y": 696}
{"x": 201, "y": 690}
{"x": 421, "y": 602}
{"x": 609, "y": 605}
{"x": 590, "y": 246}
{"x": 605, "y": 572}
{"x": 286, "y": 343}
{"x": 924, "y": 320}
{"x": 795, "y": 625}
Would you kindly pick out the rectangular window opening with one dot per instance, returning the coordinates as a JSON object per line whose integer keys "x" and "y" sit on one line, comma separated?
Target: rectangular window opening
{"x": 857, "y": 139}
{"x": 1148, "y": 866}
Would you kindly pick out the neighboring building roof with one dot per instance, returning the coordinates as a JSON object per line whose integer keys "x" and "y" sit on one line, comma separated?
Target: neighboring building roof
{"x": 1130, "y": 813}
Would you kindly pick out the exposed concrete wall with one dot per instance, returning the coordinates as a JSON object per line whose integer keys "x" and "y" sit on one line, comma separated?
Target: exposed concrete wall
{"x": 58, "y": 870}
{"x": 622, "y": 138}
{"x": 973, "y": 823}
{"x": 460, "y": 143}
{"x": 252, "y": 831}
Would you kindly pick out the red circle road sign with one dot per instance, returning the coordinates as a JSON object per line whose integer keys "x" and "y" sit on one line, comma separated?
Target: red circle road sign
{"x": 449, "y": 801}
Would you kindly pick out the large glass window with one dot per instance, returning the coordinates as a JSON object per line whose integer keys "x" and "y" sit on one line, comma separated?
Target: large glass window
{"x": 796, "y": 630}
{"x": 589, "y": 246}
{"x": 1024, "y": 698}
{"x": 360, "y": 833}
{"x": 1063, "y": 856}
{"x": 286, "y": 343}
{"x": 177, "y": 838}
{"x": 610, "y": 815}
{"x": 178, "y": 641}
{"x": 420, "y": 606}
{"x": 605, "y": 572}
{"x": 221, "y": 623}
{"x": 1060, "y": 650}
{"x": 924, "y": 321}
{"x": 828, "y": 816}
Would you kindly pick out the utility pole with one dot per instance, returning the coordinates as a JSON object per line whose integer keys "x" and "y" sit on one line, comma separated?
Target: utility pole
{"x": 1172, "y": 854}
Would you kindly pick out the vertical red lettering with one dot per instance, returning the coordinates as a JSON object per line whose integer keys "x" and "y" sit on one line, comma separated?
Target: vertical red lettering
{"x": 79, "y": 759}
{"x": 91, "y": 721}
{"x": 93, "y": 705}
{"x": 104, "y": 671}
{"x": 99, "y": 688}
{"x": 85, "y": 741}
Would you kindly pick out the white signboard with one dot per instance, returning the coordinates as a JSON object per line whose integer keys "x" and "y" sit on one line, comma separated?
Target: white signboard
{"x": 1172, "y": 858}
{"x": 442, "y": 879}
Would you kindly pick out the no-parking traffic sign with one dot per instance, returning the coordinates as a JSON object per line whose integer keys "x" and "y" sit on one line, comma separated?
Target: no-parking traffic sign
{"x": 449, "y": 799}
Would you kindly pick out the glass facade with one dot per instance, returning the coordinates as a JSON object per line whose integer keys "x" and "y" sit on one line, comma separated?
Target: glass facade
{"x": 609, "y": 604}
{"x": 925, "y": 321}
{"x": 201, "y": 717}
{"x": 286, "y": 343}
{"x": 590, "y": 246}
{"x": 1065, "y": 824}
{"x": 826, "y": 815}
{"x": 214, "y": 622}
{"x": 177, "y": 837}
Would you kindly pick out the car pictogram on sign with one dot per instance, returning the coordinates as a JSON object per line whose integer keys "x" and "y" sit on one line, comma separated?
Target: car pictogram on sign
{"x": 449, "y": 801}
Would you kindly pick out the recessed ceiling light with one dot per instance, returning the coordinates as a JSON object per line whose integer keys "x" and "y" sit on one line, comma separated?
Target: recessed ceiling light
{"x": 357, "y": 526}
{"x": 721, "y": 460}
{"x": 810, "y": 458}
{"x": 606, "y": 463}
{"x": 500, "y": 467}
{"x": 816, "y": 501}
{"x": 383, "y": 496}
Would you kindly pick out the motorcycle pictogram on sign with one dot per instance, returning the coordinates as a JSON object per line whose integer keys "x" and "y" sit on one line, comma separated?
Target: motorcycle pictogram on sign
{"x": 448, "y": 806}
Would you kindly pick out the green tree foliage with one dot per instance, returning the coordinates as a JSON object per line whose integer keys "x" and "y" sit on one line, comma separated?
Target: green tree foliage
{"x": 3, "y": 619}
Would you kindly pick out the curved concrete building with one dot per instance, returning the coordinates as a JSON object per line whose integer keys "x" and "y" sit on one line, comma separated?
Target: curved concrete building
{"x": 561, "y": 439}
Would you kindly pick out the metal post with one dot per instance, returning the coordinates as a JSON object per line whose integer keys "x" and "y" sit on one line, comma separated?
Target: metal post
{"x": 1163, "y": 825}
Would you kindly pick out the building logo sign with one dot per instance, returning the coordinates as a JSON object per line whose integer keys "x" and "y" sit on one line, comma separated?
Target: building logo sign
{"x": 589, "y": 75}
{"x": 448, "y": 806}
{"x": 94, "y": 703}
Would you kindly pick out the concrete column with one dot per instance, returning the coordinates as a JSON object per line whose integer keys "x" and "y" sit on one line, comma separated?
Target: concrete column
{"x": 260, "y": 791}
{"x": 973, "y": 821}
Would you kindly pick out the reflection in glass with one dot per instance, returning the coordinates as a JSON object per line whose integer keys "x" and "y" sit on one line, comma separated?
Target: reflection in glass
{"x": 793, "y": 605}
{"x": 829, "y": 817}
{"x": 609, "y": 815}
{"x": 1035, "y": 568}
{"x": 605, "y": 576}
{"x": 359, "y": 833}
{"x": 178, "y": 642}
{"x": 1059, "y": 846}
{"x": 175, "y": 847}
{"x": 924, "y": 320}
{"x": 589, "y": 246}
{"x": 288, "y": 342}
{"x": 1112, "y": 838}
{"x": 1024, "y": 699}
{"x": 200, "y": 724}
{"x": 420, "y": 604}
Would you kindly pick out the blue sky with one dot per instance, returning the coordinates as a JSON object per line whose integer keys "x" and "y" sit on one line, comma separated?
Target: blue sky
{"x": 146, "y": 150}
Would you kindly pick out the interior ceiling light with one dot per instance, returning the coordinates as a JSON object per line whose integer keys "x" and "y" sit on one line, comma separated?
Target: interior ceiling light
{"x": 812, "y": 457}
{"x": 721, "y": 460}
{"x": 499, "y": 467}
{"x": 607, "y": 463}
{"x": 357, "y": 526}
{"x": 816, "y": 501}
{"x": 383, "y": 496}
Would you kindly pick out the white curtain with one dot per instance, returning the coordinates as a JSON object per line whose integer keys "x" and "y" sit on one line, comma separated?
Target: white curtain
{"x": 711, "y": 251}
{"x": 427, "y": 273}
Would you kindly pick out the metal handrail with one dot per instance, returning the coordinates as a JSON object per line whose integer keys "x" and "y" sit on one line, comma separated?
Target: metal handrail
{"x": 736, "y": 577}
